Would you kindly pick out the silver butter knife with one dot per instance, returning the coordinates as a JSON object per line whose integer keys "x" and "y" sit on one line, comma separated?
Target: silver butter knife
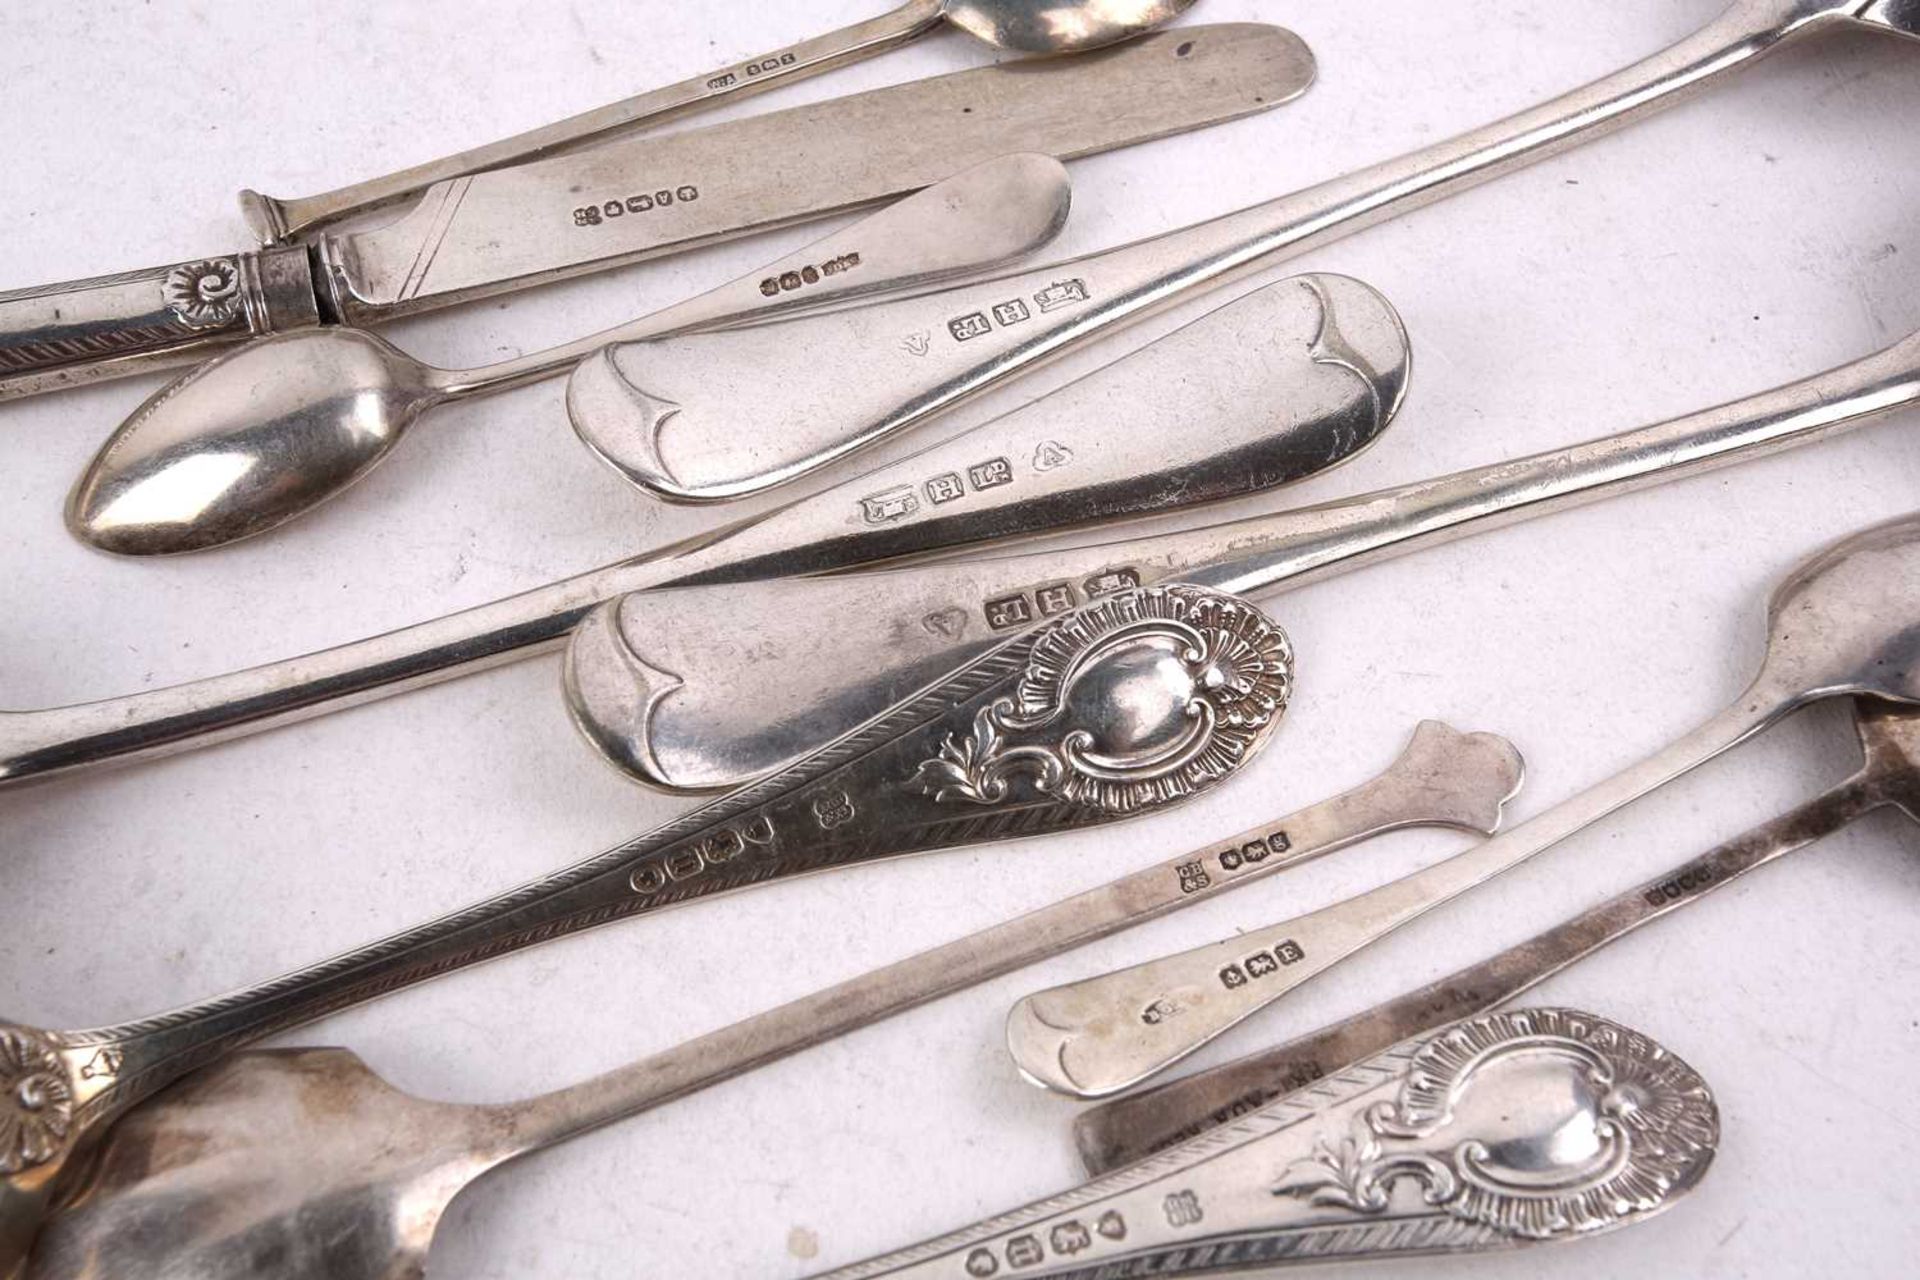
{"x": 490, "y": 233}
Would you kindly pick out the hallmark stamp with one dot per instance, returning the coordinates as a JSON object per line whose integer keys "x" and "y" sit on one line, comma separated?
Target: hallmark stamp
{"x": 1009, "y": 611}
{"x": 917, "y": 343}
{"x": 1051, "y": 454}
{"x": 1054, "y": 598}
{"x": 1011, "y": 312}
{"x": 991, "y": 473}
{"x": 1025, "y": 1251}
{"x": 889, "y": 505}
{"x": 1110, "y": 581}
{"x": 948, "y": 622}
{"x": 790, "y": 281}
{"x": 1112, "y": 1225}
{"x": 965, "y": 328}
{"x": 1159, "y": 1011}
{"x": 832, "y": 810}
{"x": 1193, "y": 876}
{"x": 1061, "y": 293}
{"x": 1070, "y": 1237}
{"x": 1182, "y": 1209}
{"x": 593, "y": 215}
{"x": 103, "y": 1065}
{"x": 982, "y": 1263}
{"x": 945, "y": 488}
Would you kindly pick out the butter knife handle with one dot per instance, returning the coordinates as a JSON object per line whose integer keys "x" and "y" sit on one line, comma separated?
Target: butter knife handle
{"x": 276, "y": 221}
{"x": 61, "y": 335}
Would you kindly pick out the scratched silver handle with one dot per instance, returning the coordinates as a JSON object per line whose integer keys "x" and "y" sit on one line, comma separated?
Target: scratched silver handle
{"x": 63, "y": 335}
{"x": 695, "y": 410}
{"x": 275, "y": 220}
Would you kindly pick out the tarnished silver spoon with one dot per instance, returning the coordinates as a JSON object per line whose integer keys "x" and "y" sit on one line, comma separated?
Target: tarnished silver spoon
{"x": 1846, "y": 622}
{"x": 255, "y": 437}
{"x": 306, "y": 1159}
{"x": 1139, "y": 701}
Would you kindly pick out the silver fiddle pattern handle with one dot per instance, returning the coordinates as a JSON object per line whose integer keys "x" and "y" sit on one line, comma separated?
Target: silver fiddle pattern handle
{"x": 1505, "y": 1130}
{"x": 844, "y": 382}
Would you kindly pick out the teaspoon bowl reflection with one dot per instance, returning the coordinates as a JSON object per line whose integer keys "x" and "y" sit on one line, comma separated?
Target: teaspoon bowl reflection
{"x": 198, "y": 465}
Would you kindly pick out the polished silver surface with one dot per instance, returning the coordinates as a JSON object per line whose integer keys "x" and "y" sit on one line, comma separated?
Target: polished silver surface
{"x": 1507, "y": 1129}
{"x": 1846, "y": 622}
{"x": 1127, "y": 705}
{"x": 266, "y": 432}
{"x": 687, "y": 416}
{"x": 848, "y": 645}
{"x": 1328, "y": 348}
{"x": 1019, "y": 26}
{"x": 1139, "y": 1124}
{"x": 310, "y": 1158}
{"x": 1275, "y": 411}
{"x": 638, "y": 198}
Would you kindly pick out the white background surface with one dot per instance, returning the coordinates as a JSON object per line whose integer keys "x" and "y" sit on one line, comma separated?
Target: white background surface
{"x": 1761, "y": 232}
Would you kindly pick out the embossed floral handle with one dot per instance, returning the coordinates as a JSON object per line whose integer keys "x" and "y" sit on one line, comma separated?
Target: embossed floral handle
{"x": 67, "y": 333}
{"x": 1504, "y": 1130}
{"x": 1126, "y": 705}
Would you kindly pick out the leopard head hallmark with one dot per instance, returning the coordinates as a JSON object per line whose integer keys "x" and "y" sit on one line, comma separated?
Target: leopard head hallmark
{"x": 1136, "y": 700}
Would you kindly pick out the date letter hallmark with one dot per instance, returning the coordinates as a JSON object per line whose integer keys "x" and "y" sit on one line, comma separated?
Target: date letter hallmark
{"x": 594, "y": 215}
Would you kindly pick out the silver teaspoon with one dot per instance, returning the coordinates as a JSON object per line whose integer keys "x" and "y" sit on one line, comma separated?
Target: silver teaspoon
{"x": 1128, "y": 705}
{"x": 1018, "y": 26}
{"x": 1508, "y": 1129}
{"x": 1846, "y": 622}
{"x": 253, "y": 438}
{"x": 1133, "y": 1127}
{"x": 354, "y": 1189}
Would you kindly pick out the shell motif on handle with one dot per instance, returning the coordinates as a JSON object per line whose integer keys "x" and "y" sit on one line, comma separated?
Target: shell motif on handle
{"x": 1143, "y": 697}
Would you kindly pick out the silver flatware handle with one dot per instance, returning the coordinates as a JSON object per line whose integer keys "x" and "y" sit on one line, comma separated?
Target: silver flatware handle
{"x": 1093, "y": 1038}
{"x": 837, "y": 384}
{"x": 1443, "y": 778}
{"x": 850, "y": 641}
{"x": 1051, "y": 464}
{"x": 1132, "y": 1127}
{"x": 1455, "y": 1142}
{"x": 274, "y": 220}
{"x": 904, "y": 783}
{"x": 61, "y": 335}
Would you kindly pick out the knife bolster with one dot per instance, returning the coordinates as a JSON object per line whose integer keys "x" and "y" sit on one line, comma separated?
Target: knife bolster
{"x": 63, "y": 335}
